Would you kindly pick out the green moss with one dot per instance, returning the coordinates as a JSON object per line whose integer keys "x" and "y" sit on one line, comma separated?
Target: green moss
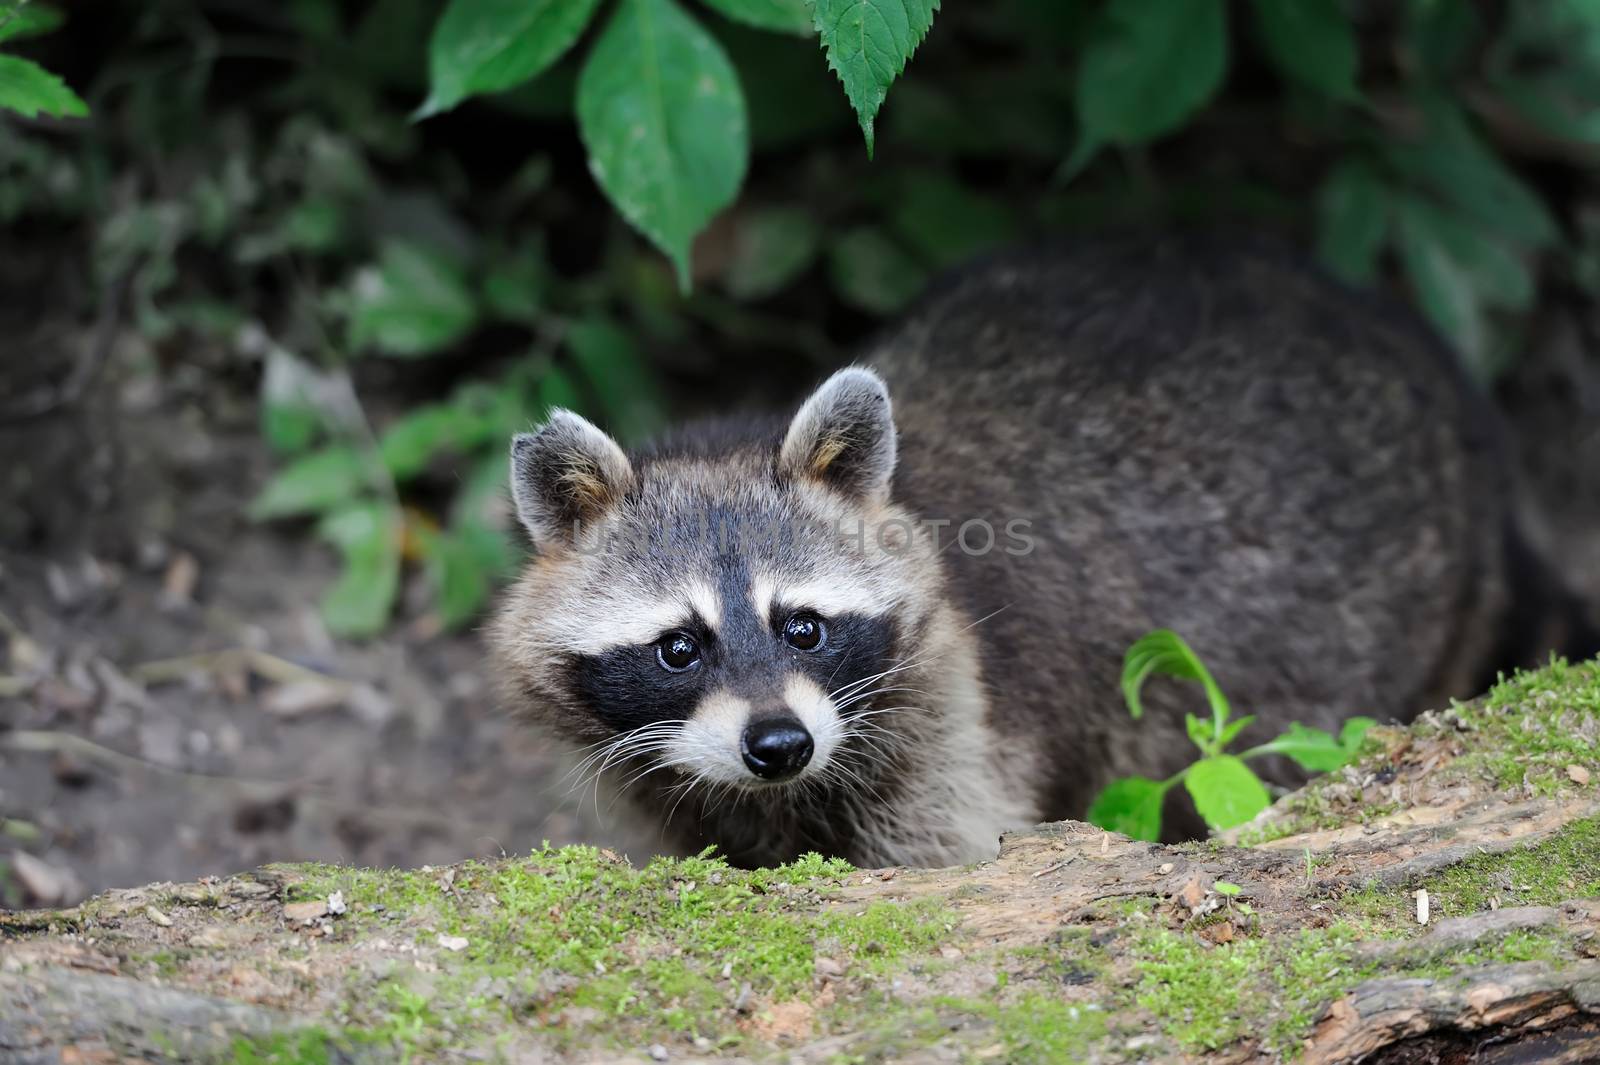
{"x": 309, "y": 1046}
{"x": 668, "y": 946}
{"x": 1564, "y": 866}
{"x": 1041, "y": 1028}
{"x": 1533, "y": 725}
{"x": 1197, "y": 992}
{"x": 1206, "y": 997}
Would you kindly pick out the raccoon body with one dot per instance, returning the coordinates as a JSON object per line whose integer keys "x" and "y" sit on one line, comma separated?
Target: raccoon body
{"x": 892, "y": 627}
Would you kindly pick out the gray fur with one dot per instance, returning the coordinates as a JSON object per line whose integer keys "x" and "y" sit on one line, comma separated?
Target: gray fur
{"x": 844, "y": 436}
{"x": 564, "y": 475}
{"x": 1204, "y": 436}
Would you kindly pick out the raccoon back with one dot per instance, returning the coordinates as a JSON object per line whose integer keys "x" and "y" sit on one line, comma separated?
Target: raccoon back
{"x": 1211, "y": 436}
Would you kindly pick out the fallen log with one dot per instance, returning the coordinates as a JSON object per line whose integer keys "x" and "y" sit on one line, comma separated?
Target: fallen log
{"x": 1439, "y": 900}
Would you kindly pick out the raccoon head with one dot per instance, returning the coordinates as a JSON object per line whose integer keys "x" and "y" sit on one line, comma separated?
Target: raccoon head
{"x": 724, "y": 614}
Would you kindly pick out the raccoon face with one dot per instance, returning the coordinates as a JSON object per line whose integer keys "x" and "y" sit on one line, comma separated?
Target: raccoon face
{"x": 734, "y": 615}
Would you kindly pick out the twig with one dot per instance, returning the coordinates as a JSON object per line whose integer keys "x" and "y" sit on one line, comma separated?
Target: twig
{"x": 270, "y": 666}
{"x": 34, "y": 741}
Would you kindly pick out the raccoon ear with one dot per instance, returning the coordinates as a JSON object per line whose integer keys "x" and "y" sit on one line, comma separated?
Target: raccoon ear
{"x": 564, "y": 475}
{"x": 844, "y": 436}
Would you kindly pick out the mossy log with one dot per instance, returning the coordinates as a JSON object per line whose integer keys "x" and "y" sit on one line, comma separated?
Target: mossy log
{"x": 1439, "y": 900}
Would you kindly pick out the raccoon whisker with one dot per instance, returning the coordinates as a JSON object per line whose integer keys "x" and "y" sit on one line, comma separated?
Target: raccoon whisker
{"x": 873, "y": 711}
{"x": 611, "y": 743}
{"x": 864, "y": 719}
{"x": 875, "y": 758}
{"x": 851, "y": 780}
{"x": 723, "y": 793}
{"x": 623, "y": 749}
{"x": 899, "y": 667}
{"x": 640, "y": 741}
{"x": 718, "y": 788}
{"x": 861, "y": 697}
{"x": 903, "y": 665}
{"x": 640, "y": 774}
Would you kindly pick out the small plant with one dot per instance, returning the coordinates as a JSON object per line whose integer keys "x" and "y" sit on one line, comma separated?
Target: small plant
{"x": 1225, "y": 790}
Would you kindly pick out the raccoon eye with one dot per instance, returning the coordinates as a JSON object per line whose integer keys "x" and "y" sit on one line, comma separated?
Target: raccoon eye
{"x": 803, "y": 632}
{"x": 677, "y": 652}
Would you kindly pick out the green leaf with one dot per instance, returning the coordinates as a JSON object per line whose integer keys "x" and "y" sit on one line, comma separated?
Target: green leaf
{"x": 34, "y": 20}
{"x": 368, "y": 535}
{"x": 869, "y": 271}
{"x": 1233, "y": 729}
{"x": 314, "y": 483}
{"x": 1560, "y": 114}
{"x": 1354, "y": 733}
{"x": 948, "y": 222}
{"x": 30, "y": 90}
{"x": 1131, "y": 806}
{"x": 514, "y": 288}
{"x": 483, "y": 46}
{"x": 1352, "y": 220}
{"x": 1225, "y": 791}
{"x": 1444, "y": 286}
{"x": 1453, "y": 162}
{"x": 1310, "y": 748}
{"x": 410, "y": 444}
{"x": 1442, "y": 35}
{"x": 1498, "y": 272}
{"x": 298, "y": 400}
{"x": 607, "y": 356}
{"x": 1311, "y": 42}
{"x": 868, "y": 43}
{"x": 662, "y": 116}
{"x": 1222, "y": 887}
{"x": 771, "y": 249}
{"x": 414, "y": 302}
{"x": 785, "y": 16}
{"x": 463, "y": 564}
{"x": 1149, "y": 66}
{"x": 1164, "y": 651}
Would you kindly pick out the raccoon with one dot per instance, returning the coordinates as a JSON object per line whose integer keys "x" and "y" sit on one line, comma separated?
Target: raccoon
{"x": 891, "y": 627}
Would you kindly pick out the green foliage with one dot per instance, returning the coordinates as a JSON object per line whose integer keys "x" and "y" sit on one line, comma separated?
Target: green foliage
{"x": 368, "y": 535}
{"x": 1165, "y": 652}
{"x": 274, "y": 196}
{"x": 484, "y": 46}
{"x": 1149, "y": 67}
{"x": 25, "y": 86}
{"x": 868, "y": 43}
{"x": 31, "y": 91}
{"x": 1311, "y": 42}
{"x": 413, "y": 302}
{"x": 785, "y": 16}
{"x": 670, "y": 151}
{"x": 1225, "y": 790}
{"x": 1131, "y": 806}
{"x": 313, "y": 483}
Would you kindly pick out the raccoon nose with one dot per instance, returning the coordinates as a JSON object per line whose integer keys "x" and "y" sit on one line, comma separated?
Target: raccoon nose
{"x": 776, "y": 747}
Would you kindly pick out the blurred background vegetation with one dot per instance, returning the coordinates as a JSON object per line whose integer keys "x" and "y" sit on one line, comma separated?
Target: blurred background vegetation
{"x": 408, "y": 227}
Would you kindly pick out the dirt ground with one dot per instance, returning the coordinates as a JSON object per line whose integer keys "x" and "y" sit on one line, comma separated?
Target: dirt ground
{"x": 123, "y": 543}
{"x": 124, "y": 473}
